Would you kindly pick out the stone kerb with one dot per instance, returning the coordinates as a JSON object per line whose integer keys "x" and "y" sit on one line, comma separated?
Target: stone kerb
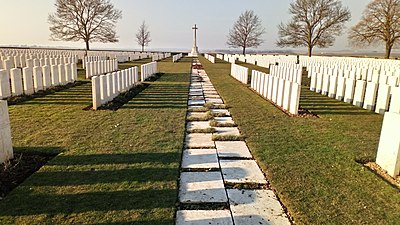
{"x": 388, "y": 155}
{"x": 106, "y": 87}
{"x": 6, "y": 149}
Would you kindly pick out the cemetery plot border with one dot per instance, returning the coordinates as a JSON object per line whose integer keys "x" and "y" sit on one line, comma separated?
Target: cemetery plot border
{"x": 16, "y": 170}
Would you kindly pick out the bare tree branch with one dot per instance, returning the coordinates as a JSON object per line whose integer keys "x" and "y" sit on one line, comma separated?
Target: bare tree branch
{"x": 380, "y": 24}
{"x": 313, "y": 23}
{"x": 143, "y": 35}
{"x": 246, "y": 31}
{"x": 87, "y": 20}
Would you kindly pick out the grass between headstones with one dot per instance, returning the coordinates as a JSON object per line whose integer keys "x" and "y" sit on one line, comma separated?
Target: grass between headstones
{"x": 311, "y": 162}
{"x": 114, "y": 167}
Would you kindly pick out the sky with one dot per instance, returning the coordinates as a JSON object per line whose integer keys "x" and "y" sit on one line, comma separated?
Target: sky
{"x": 24, "y": 22}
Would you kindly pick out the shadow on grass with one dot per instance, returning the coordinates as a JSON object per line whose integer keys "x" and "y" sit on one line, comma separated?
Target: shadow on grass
{"x": 51, "y": 93}
{"x": 121, "y": 192}
{"x": 87, "y": 202}
{"x": 98, "y": 159}
{"x": 76, "y": 95}
{"x": 323, "y": 105}
{"x": 163, "y": 94}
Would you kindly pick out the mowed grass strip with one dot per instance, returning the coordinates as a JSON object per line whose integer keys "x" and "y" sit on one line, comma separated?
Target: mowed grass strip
{"x": 114, "y": 167}
{"x": 311, "y": 162}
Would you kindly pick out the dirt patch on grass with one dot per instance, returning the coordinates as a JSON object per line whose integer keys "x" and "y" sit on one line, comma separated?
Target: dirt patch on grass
{"x": 394, "y": 181}
{"x": 16, "y": 170}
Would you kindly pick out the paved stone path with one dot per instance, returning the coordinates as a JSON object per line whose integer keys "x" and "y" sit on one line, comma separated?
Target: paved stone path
{"x": 217, "y": 176}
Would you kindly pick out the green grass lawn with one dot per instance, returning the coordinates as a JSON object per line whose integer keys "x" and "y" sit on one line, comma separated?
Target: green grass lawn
{"x": 311, "y": 162}
{"x": 113, "y": 167}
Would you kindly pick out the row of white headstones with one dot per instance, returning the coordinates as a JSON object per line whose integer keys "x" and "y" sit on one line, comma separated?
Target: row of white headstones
{"x": 176, "y": 57}
{"x": 361, "y": 93}
{"x": 94, "y": 68}
{"x": 28, "y": 80}
{"x": 106, "y": 87}
{"x": 210, "y": 58}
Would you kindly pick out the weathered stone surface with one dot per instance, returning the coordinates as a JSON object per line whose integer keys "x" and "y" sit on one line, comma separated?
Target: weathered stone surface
{"x": 388, "y": 156}
{"x": 200, "y": 159}
{"x": 198, "y": 125}
{"x": 203, "y": 217}
{"x": 227, "y": 131}
{"x": 199, "y": 141}
{"x": 242, "y": 171}
{"x": 256, "y": 207}
{"x": 233, "y": 149}
{"x": 201, "y": 187}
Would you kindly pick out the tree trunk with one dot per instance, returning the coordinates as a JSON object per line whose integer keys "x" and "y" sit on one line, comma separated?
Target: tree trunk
{"x": 87, "y": 45}
{"x": 309, "y": 51}
{"x": 244, "y": 50}
{"x": 142, "y": 48}
{"x": 388, "y": 50}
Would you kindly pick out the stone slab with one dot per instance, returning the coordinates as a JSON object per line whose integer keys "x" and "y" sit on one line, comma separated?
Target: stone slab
{"x": 227, "y": 113}
{"x": 199, "y": 141}
{"x": 197, "y": 114}
{"x": 201, "y": 187}
{"x": 225, "y": 119}
{"x": 196, "y": 102}
{"x": 198, "y": 125}
{"x": 242, "y": 171}
{"x": 227, "y": 131}
{"x": 232, "y": 149}
{"x": 203, "y": 217}
{"x": 215, "y": 100}
{"x": 200, "y": 159}
{"x": 256, "y": 207}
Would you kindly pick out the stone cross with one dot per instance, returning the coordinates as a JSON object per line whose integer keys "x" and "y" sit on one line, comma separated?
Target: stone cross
{"x": 195, "y": 35}
{"x": 195, "y": 51}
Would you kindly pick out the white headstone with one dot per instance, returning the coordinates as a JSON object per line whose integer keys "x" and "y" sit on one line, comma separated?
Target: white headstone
{"x": 5, "y": 91}
{"x": 16, "y": 82}
{"x": 395, "y": 100}
{"x": 370, "y": 96}
{"x": 359, "y": 93}
{"x": 27, "y": 76}
{"x": 333, "y": 86}
{"x": 341, "y": 87}
{"x": 281, "y": 89}
{"x": 349, "y": 92}
{"x": 6, "y": 149}
{"x": 287, "y": 95}
{"x": 61, "y": 74}
{"x": 388, "y": 156}
{"x": 295, "y": 98}
{"x": 55, "y": 80}
{"x": 382, "y": 102}
{"x": 46, "y": 77}
{"x": 37, "y": 78}
{"x": 96, "y": 92}
{"x": 325, "y": 84}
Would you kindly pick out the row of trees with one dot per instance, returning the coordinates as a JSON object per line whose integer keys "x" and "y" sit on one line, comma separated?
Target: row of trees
{"x": 90, "y": 21}
{"x": 316, "y": 23}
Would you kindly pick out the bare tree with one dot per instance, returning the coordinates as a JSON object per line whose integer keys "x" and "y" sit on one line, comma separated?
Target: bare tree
{"x": 87, "y": 20}
{"x": 313, "y": 23}
{"x": 380, "y": 24}
{"x": 143, "y": 35}
{"x": 246, "y": 32}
